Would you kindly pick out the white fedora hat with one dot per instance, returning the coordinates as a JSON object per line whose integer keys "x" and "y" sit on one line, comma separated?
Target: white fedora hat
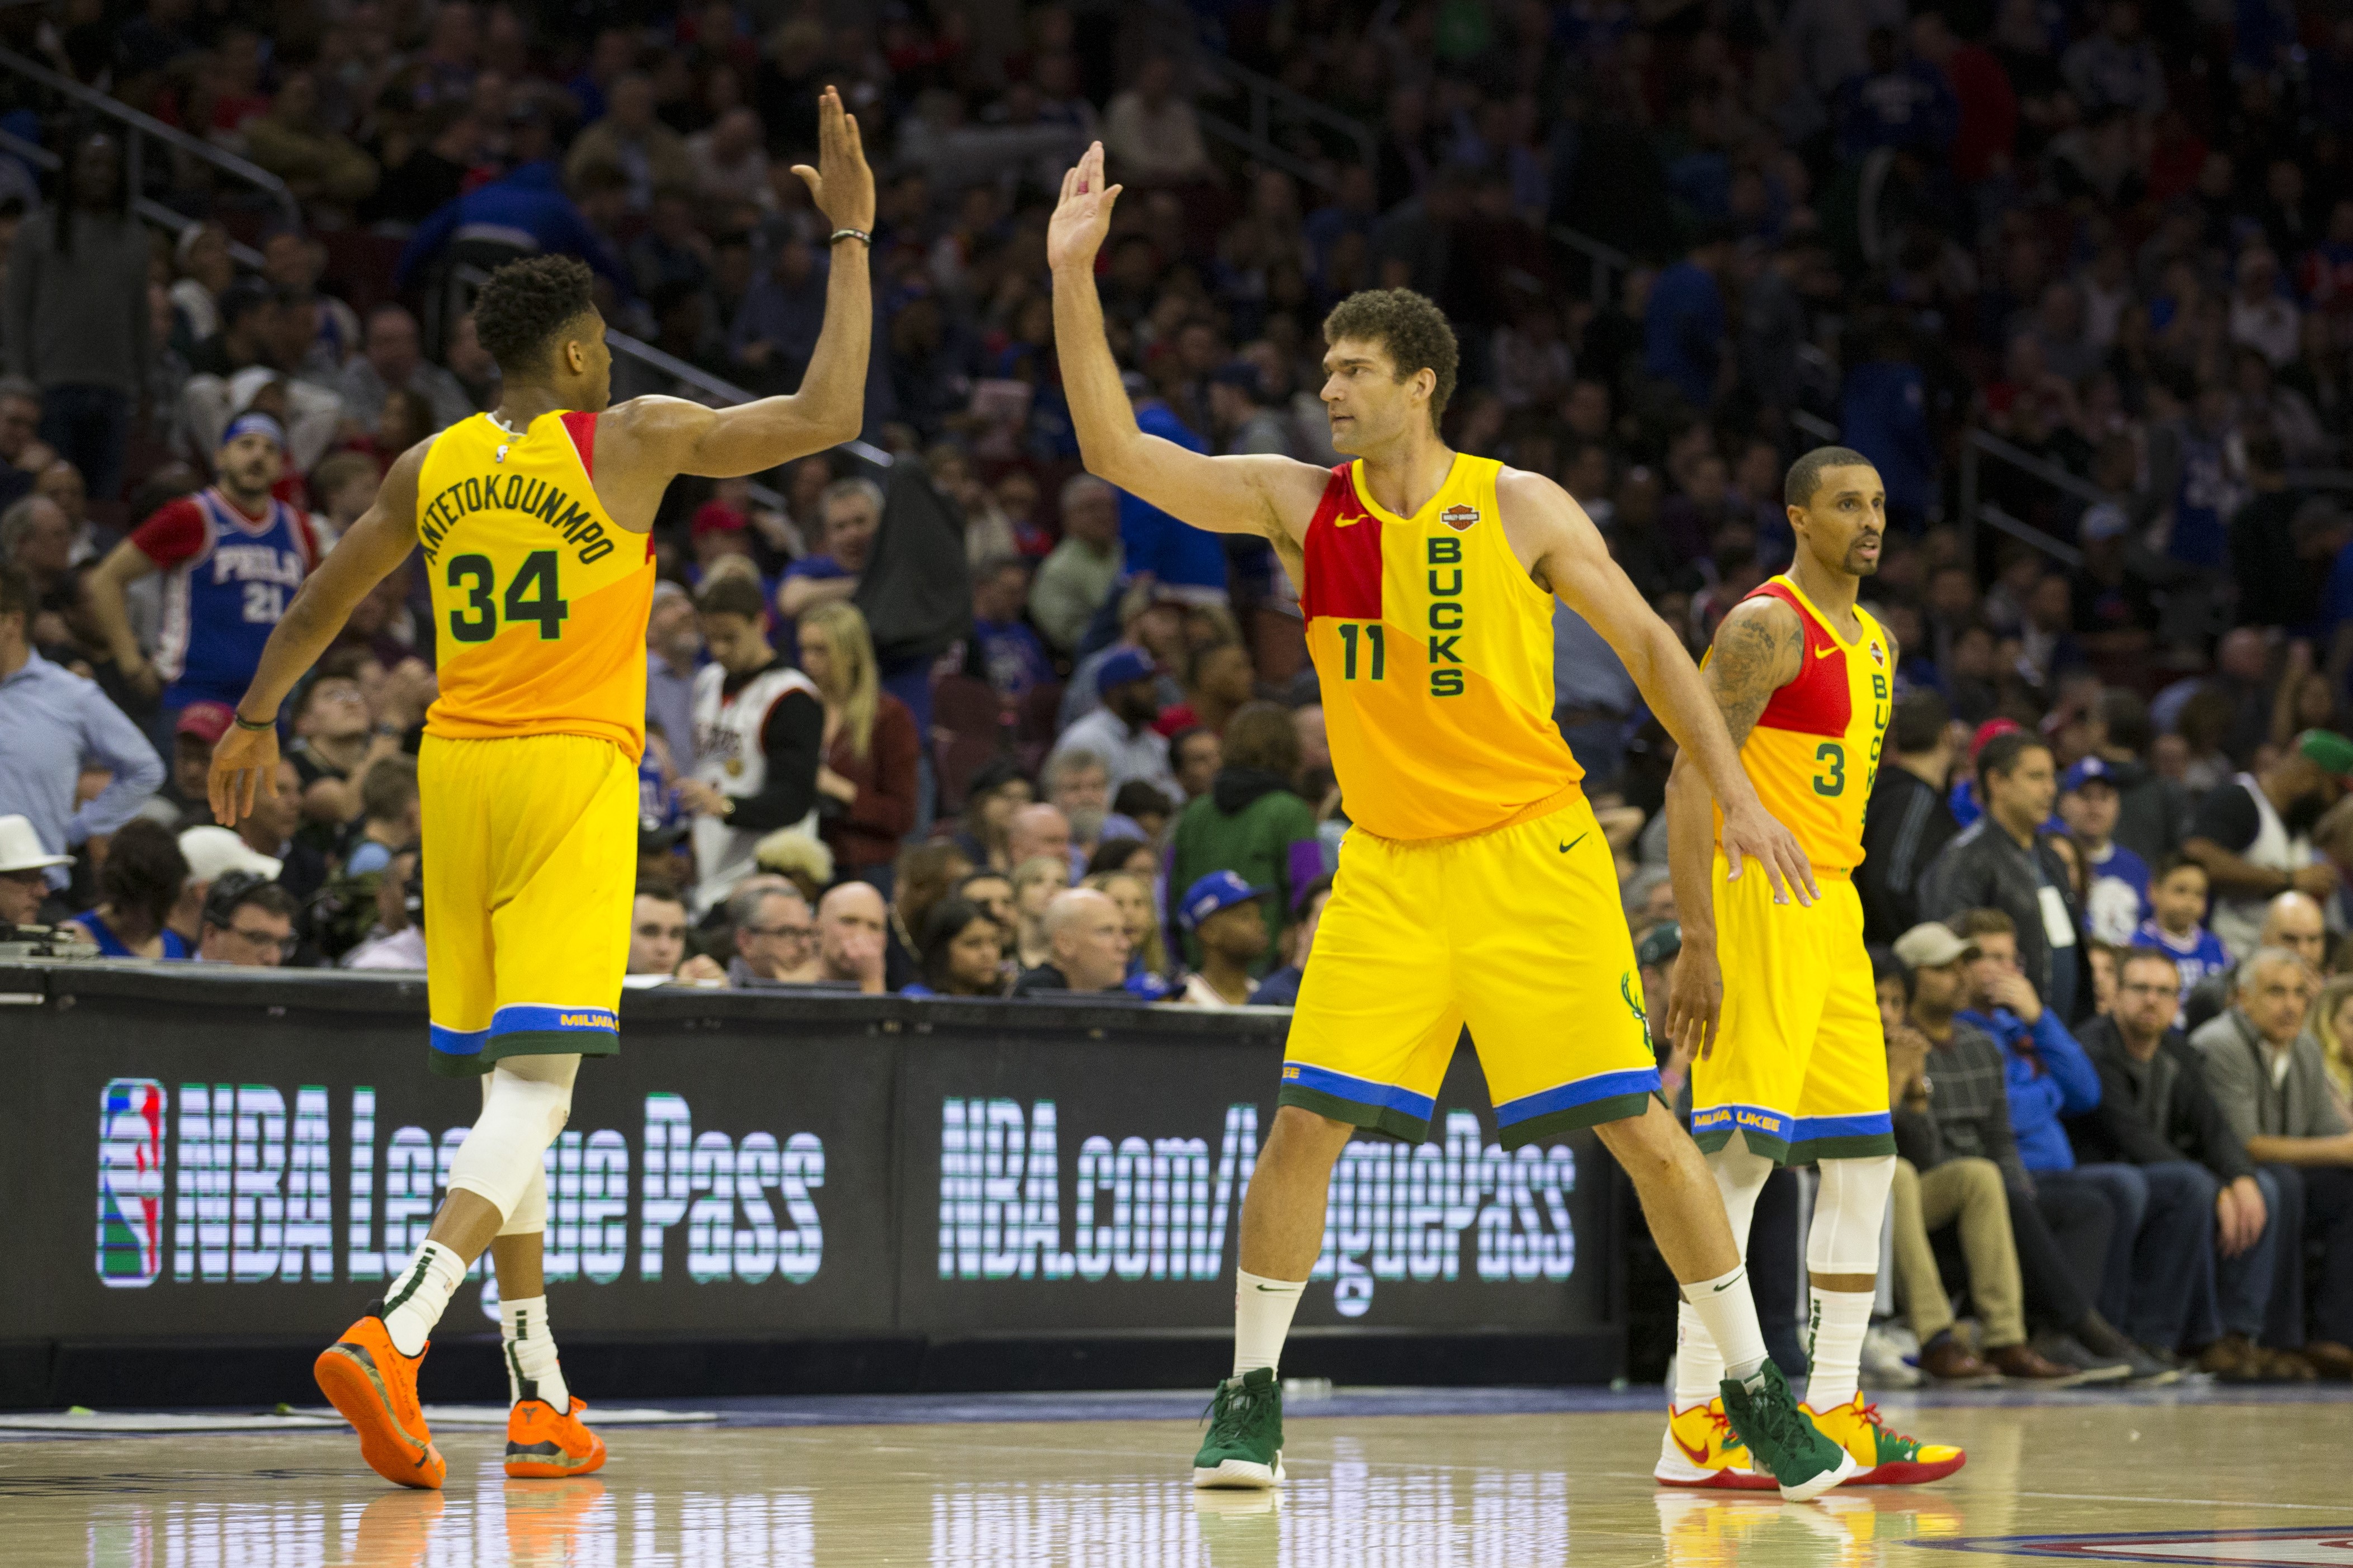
{"x": 20, "y": 848}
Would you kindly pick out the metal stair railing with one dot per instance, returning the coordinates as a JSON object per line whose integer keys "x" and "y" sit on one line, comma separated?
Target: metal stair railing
{"x": 1265, "y": 102}
{"x": 143, "y": 207}
{"x": 141, "y": 128}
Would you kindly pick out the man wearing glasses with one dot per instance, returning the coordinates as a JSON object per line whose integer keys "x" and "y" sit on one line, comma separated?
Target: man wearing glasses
{"x": 775, "y": 936}
{"x": 247, "y": 922}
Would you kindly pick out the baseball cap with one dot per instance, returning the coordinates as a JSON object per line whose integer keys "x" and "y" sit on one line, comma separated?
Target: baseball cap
{"x": 214, "y": 852}
{"x": 1986, "y": 732}
{"x": 715, "y": 517}
{"x": 2332, "y": 751}
{"x": 1217, "y": 891}
{"x": 1125, "y": 664}
{"x": 21, "y": 848}
{"x": 1931, "y": 944}
{"x": 207, "y": 722}
{"x": 2090, "y": 770}
{"x": 1660, "y": 943}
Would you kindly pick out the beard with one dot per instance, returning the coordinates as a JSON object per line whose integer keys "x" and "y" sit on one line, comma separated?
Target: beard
{"x": 1859, "y": 564}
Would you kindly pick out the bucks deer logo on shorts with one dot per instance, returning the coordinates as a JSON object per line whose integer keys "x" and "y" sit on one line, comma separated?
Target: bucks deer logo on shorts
{"x": 1459, "y": 516}
{"x": 1633, "y": 1000}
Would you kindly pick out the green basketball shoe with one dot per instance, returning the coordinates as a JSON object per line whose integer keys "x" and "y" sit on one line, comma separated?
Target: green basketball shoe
{"x": 1244, "y": 1448}
{"x": 1765, "y": 1415}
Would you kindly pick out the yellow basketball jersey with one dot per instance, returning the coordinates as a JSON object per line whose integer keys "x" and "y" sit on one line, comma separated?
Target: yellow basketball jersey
{"x": 539, "y": 598}
{"x": 1434, "y": 648}
{"x": 1814, "y": 754}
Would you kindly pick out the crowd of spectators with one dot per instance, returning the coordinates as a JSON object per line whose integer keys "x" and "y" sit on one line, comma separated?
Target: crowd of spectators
{"x": 943, "y": 715}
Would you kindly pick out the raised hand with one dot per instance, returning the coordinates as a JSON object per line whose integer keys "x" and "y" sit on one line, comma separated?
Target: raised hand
{"x": 1083, "y": 216}
{"x": 842, "y": 185}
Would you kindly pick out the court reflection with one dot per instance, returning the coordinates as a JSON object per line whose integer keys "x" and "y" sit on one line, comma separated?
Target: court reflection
{"x": 1843, "y": 1530}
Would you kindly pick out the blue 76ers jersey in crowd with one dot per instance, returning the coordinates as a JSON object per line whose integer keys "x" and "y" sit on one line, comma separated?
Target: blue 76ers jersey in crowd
{"x": 221, "y": 603}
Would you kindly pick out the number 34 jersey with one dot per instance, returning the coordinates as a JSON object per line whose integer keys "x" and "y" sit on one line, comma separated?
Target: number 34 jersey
{"x": 1814, "y": 754}
{"x": 539, "y": 598}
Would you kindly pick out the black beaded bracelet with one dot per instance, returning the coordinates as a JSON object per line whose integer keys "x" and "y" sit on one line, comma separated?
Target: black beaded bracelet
{"x": 245, "y": 723}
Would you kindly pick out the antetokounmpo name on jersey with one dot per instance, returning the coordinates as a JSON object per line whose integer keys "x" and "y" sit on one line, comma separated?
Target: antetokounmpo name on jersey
{"x": 513, "y": 493}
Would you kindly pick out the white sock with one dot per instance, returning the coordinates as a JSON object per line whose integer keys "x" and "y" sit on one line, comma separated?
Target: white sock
{"x": 1835, "y": 1326}
{"x": 1699, "y": 1369}
{"x": 1262, "y": 1309}
{"x": 530, "y": 1351}
{"x": 420, "y": 1295}
{"x": 1728, "y": 1312}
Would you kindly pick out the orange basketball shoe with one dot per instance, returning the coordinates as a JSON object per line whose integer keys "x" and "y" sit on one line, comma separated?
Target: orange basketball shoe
{"x": 1700, "y": 1450}
{"x": 543, "y": 1445}
{"x": 374, "y": 1387}
{"x": 1888, "y": 1458}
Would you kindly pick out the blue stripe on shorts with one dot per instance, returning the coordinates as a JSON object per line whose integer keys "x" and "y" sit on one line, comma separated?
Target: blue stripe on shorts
{"x": 1576, "y": 1092}
{"x": 1738, "y": 1118}
{"x": 1358, "y": 1090}
{"x": 1870, "y": 1124}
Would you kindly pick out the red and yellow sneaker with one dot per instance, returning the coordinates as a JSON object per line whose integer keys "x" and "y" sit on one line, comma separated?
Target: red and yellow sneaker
{"x": 1700, "y": 1450}
{"x": 375, "y": 1388}
{"x": 1888, "y": 1458}
{"x": 544, "y": 1445}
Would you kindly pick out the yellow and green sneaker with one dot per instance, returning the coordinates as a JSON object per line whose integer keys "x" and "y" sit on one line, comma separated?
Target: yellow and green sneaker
{"x": 1888, "y": 1458}
{"x": 1244, "y": 1448}
{"x": 1764, "y": 1416}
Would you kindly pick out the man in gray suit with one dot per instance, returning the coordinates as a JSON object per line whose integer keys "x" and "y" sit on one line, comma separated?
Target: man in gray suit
{"x": 2265, "y": 1069}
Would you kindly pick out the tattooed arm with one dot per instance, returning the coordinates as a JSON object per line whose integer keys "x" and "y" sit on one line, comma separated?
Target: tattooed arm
{"x": 1757, "y": 651}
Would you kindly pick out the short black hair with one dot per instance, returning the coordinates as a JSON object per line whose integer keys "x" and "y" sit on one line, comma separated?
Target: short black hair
{"x": 221, "y": 906}
{"x": 1806, "y": 473}
{"x": 525, "y": 304}
{"x": 729, "y": 594}
{"x": 1410, "y": 328}
{"x": 1921, "y": 715}
{"x": 2168, "y": 865}
{"x": 2001, "y": 754}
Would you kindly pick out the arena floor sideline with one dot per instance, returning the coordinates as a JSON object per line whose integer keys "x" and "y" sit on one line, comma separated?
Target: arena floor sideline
{"x": 1412, "y": 1477}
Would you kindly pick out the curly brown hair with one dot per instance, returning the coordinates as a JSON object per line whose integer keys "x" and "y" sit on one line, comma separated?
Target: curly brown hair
{"x": 1410, "y": 328}
{"x": 525, "y": 304}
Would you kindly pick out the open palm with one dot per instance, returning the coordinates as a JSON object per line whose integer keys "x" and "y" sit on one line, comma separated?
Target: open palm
{"x": 1083, "y": 216}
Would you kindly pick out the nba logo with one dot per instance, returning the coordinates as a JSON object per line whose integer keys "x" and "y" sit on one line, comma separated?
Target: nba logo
{"x": 131, "y": 1181}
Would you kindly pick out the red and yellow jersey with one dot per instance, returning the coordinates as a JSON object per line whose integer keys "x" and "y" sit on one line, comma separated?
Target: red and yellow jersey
{"x": 1814, "y": 754}
{"x": 1434, "y": 648}
{"x": 539, "y": 598}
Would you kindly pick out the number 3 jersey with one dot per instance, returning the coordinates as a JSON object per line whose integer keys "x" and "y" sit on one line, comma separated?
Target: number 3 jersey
{"x": 229, "y": 579}
{"x": 1434, "y": 651}
{"x": 539, "y": 599}
{"x": 1814, "y": 754}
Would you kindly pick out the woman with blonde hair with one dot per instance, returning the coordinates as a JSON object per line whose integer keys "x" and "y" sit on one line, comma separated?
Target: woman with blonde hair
{"x": 1035, "y": 882}
{"x": 1147, "y": 963}
{"x": 2332, "y": 1025}
{"x": 866, "y": 786}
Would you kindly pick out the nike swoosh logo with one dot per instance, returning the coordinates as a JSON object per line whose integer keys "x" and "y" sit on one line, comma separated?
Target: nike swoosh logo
{"x": 1824, "y": 652}
{"x": 1576, "y": 841}
{"x": 1720, "y": 1289}
{"x": 1276, "y": 1288}
{"x": 1696, "y": 1454}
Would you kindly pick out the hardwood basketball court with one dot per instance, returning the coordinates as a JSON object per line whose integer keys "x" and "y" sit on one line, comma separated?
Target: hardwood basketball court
{"x": 1493, "y": 1478}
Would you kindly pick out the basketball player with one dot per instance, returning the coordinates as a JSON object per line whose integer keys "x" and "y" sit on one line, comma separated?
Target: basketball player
{"x": 533, "y": 519}
{"x": 1474, "y": 887}
{"x": 1795, "y": 1071}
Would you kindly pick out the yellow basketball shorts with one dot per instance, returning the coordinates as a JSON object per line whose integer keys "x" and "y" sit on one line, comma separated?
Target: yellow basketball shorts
{"x": 1800, "y": 1067}
{"x": 531, "y": 862}
{"x": 1517, "y": 932}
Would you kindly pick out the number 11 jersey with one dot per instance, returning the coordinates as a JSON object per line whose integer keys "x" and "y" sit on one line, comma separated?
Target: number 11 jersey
{"x": 539, "y": 599}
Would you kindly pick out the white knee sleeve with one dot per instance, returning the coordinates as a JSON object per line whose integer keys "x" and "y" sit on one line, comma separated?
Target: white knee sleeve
{"x": 501, "y": 1159}
{"x": 1849, "y": 1208}
{"x": 529, "y": 1216}
{"x": 1740, "y": 1177}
